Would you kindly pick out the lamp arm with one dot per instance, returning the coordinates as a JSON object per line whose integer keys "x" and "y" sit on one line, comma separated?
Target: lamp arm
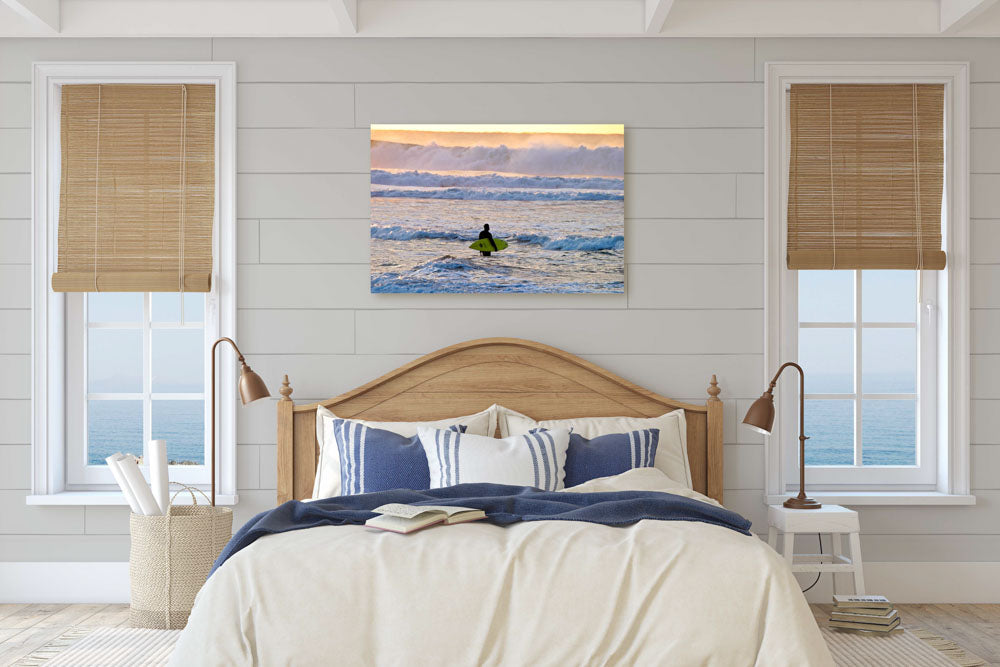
{"x": 774, "y": 380}
{"x": 239, "y": 355}
{"x": 802, "y": 394}
{"x": 242, "y": 361}
{"x": 802, "y": 422}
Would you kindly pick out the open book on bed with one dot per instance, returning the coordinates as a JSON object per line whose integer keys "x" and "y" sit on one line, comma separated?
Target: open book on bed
{"x": 401, "y": 518}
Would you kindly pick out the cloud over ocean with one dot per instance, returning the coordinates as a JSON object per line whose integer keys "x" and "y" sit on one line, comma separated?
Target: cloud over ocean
{"x": 545, "y": 160}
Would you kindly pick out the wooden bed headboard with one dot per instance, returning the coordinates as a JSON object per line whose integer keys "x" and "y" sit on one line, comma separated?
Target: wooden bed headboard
{"x": 540, "y": 381}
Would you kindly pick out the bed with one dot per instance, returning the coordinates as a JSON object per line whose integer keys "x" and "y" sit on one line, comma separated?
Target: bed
{"x": 544, "y": 592}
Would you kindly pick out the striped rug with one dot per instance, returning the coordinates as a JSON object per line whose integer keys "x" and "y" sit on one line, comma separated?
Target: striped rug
{"x": 100, "y": 647}
{"x": 914, "y": 648}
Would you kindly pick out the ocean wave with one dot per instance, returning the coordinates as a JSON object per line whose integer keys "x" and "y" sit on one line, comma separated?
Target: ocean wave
{"x": 429, "y": 179}
{"x": 449, "y": 264}
{"x": 550, "y": 160}
{"x": 397, "y": 233}
{"x": 587, "y": 243}
{"x": 500, "y": 195}
{"x": 390, "y": 283}
{"x": 572, "y": 242}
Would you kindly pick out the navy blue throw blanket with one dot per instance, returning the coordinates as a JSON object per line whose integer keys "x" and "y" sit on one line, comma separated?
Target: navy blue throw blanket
{"x": 502, "y": 503}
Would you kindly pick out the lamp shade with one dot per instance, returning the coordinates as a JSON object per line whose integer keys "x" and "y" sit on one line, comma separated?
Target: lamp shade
{"x": 252, "y": 387}
{"x": 760, "y": 416}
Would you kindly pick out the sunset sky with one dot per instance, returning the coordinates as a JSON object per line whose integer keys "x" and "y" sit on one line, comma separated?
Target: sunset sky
{"x": 512, "y": 136}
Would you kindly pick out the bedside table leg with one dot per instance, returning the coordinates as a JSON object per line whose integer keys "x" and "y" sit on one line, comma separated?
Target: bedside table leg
{"x": 789, "y": 547}
{"x": 838, "y": 550}
{"x": 859, "y": 574}
{"x": 772, "y": 537}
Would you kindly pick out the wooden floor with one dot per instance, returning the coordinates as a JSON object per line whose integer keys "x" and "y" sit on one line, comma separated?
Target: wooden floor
{"x": 26, "y": 627}
{"x": 974, "y": 627}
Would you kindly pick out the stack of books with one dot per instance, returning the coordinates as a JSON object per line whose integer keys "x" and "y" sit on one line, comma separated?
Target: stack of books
{"x": 864, "y": 613}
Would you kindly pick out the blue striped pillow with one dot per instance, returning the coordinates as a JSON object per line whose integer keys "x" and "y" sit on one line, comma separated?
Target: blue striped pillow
{"x": 610, "y": 454}
{"x": 372, "y": 459}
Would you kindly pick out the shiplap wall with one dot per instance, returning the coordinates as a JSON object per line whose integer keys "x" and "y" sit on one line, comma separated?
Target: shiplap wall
{"x": 693, "y": 111}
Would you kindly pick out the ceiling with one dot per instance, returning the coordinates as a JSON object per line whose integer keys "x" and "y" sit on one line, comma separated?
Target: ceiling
{"x": 498, "y": 18}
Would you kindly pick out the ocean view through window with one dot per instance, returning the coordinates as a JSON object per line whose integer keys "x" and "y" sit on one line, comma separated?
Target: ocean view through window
{"x": 858, "y": 341}
{"x": 145, "y": 375}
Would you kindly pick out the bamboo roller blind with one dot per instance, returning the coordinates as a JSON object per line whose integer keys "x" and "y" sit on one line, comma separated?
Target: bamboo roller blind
{"x": 137, "y": 195}
{"x": 866, "y": 176}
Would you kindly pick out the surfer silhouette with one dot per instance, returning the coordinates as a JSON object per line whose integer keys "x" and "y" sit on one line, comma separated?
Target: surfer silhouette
{"x": 485, "y": 234}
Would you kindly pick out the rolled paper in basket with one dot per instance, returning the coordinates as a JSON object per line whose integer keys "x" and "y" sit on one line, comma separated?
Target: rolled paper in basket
{"x": 158, "y": 474}
{"x": 147, "y": 503}
{"x": 122, "y": 483}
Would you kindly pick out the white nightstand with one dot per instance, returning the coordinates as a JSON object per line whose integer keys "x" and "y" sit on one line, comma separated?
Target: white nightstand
{"x": 832, "y": 519}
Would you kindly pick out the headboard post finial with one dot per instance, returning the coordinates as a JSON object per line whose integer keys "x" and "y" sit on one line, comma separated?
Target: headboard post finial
{"x": 713, "y": 389}
{"x": 713, "y": 446}
{"x": 286, "y": 443}
{"x": 286, "y": 390}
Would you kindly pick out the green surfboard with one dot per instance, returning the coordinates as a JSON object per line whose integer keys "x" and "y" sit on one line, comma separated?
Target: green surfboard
{"x": 485, "y": 245}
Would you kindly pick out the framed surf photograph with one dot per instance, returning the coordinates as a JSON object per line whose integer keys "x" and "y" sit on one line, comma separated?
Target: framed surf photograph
{"x": 498, "y": 208}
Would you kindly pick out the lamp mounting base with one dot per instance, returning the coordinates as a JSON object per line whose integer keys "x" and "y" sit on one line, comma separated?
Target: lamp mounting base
{"x": 802, "y": 504}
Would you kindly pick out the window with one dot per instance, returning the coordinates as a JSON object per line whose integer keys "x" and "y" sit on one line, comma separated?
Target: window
{"x": 138, "y": 373}
{"x": 885, "y": 352}
{"x": 861, "y": 337}
{"x": 113, "y": 370}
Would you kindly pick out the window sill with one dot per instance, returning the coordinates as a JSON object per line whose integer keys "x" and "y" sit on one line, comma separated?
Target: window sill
{"x": 111, "y": 498}
{"x": 855, "y": 498}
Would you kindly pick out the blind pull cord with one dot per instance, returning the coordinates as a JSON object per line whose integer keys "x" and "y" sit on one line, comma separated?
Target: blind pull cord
{"x": 833, "y": 205}
{"x": 97, "y": 184}
{"x": 180, "y": 238}
{"x": 916, "y": 184}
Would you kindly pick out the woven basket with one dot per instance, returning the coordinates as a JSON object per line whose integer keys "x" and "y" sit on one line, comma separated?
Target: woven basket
{"x": 170, "y": 559}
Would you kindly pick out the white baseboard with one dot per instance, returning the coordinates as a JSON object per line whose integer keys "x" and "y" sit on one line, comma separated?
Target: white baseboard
{"x": 55, "y": 582}
{"x": 961, "y": 582}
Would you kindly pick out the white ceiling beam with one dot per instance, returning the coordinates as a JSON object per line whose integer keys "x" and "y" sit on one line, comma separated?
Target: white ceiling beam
{"x": 498, "y": 18}
{"x": 656, "y": 15}
{"x": 347, "y": 14}
{"x": 958, "y": 14}
{"x": 43, "y": 13}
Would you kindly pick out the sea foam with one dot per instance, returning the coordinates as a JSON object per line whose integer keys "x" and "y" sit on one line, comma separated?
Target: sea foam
{"x": 429, "y": 179}
{"x": 499, "y": 194}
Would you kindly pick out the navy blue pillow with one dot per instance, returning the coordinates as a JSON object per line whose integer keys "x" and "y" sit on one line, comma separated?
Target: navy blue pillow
{"x": 610, "y": 454}
{"x": 373, "y": 459}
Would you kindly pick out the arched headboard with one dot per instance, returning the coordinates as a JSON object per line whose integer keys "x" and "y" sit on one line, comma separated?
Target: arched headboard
{"x": 538, "y": 380}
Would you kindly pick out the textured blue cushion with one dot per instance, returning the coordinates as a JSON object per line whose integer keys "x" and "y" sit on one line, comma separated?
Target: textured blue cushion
{"x": 610, "y": 454}
{"x": 372, "y": 459}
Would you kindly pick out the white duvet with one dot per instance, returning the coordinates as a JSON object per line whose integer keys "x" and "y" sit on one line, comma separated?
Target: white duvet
{"x": 538, "y": 593}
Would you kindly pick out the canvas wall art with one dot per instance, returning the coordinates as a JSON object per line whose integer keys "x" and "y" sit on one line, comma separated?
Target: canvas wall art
{"x": 498, "y": 208}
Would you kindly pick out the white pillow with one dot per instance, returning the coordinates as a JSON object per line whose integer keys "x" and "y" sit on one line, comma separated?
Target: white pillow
{"x": 327, "y": 482}
{"x": 671, "y": 452}
{"x": 535, "y": 459}
{"x": 639, "y": 479}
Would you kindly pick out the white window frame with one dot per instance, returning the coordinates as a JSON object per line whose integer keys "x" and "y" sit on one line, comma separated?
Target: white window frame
{"x": 49, "y": 336}
{"x": 950, "y": 483}
{"x": 921, "y": 476}
{"x": 83, "y": 477}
